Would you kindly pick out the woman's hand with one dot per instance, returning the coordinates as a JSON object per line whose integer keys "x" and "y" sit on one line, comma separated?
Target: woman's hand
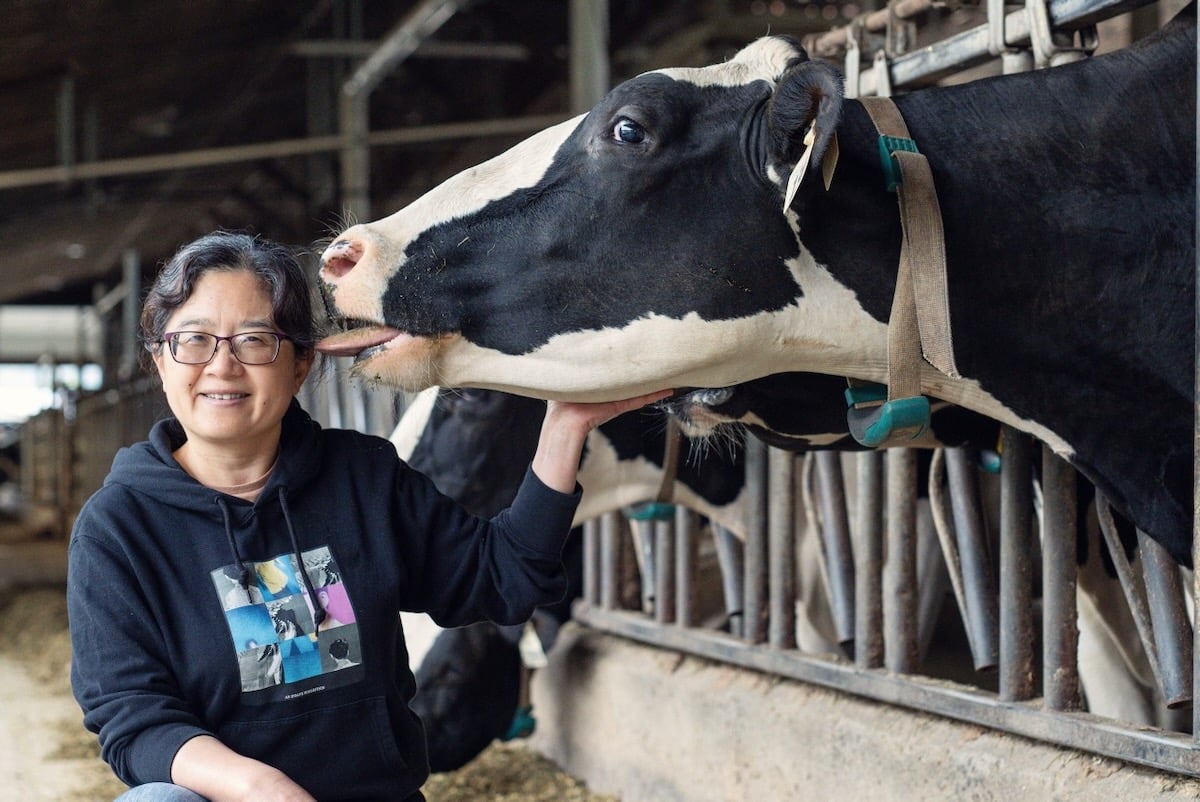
{"x": 566, "y": 427}
{"x": 216, "y": 772}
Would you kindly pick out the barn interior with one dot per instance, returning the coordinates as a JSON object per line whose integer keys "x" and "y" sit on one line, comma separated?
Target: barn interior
{"x": 131, "y": 129}
{"x": 129, "y": 133}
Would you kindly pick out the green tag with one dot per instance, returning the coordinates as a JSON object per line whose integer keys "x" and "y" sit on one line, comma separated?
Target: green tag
{"x": 891, "y": 169}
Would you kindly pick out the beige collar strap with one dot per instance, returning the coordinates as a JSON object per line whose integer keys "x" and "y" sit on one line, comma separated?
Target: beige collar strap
{"x": 922, "y": 299}
{"x": 920, "y": 318}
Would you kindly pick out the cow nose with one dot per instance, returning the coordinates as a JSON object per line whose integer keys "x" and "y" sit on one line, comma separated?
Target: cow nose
{"x": 340, "y": 258}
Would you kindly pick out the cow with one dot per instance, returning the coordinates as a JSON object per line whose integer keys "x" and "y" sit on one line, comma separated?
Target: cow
{"x": 476, "y": 445}
{"x": 644, "y": 245}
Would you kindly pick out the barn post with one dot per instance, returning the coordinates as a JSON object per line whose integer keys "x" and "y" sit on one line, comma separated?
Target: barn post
{"x": 900, "y": 616}
{"x": 781, "y": 552}
{"x": 1196, "y": 461}
{"x": 686, "y": 565}
{"x": 589, "y": 67}
{"x": 1060, "y": 630}
{"x": 1016, "y": 567}
{"x": 835, "y": 536}
{"x": 868, "y": 562}
{"x": 754, "y": 553}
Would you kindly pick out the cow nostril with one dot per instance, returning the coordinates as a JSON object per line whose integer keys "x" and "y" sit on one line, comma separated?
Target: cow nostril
{"x": 340, "y": 258}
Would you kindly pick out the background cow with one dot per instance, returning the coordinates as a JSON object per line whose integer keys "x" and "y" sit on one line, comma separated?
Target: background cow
{"x": 472, "y": 682}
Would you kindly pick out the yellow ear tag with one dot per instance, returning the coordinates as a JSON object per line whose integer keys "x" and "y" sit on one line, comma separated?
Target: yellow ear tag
{"x": 799, "y": 170}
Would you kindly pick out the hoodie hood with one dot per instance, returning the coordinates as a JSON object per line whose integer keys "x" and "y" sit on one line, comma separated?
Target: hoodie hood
{"x": 152, "y": 464}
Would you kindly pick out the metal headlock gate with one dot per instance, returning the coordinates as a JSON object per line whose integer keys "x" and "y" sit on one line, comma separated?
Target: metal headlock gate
{"x": 874, "y": 599}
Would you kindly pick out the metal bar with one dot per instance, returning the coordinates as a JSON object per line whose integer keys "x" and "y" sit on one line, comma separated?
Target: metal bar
{"x": 664, "y": 577}
{"x": 213, "y": 157}
{"x": 687, "y": 561}
{"x": 1134, "y": 592}
{"x": 781, "y": 551}
{"x": 1169, "y": 619}
{"x": 610, "y": 572}
{"x": 900, "y": 598}
{"x": 644, "y": 552}
{"x": 1016, "y": 566}
{"x": 754, "y": 552}
{"x": 972, "y": 47}
{"x": 868, "y": 569}
{"x": 1158, "y": 749}
{"x": 830, "y": 43}
{"x": 358, "y": 49}
{"x": 400, "y": 43}
{"x": 835, "y": 537}
{"x": 1195, "y": 589}
{"x": 729, "y": 558}
{"x": 591, "y": 561}
{"x": 1060, "y": 628}
{"x": 977, "y": 576}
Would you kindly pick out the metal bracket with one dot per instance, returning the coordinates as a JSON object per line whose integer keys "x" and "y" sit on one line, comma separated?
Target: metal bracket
{"x": 853, "y": 60}
{"x": 1050, "y": 47}
{"x": 883, "y": 74}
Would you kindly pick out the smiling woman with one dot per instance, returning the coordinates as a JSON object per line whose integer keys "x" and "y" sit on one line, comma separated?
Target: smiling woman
{"x": 225, "y": 539}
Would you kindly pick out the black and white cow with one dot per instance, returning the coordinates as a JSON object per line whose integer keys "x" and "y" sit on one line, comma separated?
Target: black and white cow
{"x": 476, "y": 445}
{"x": 643, "y": 245}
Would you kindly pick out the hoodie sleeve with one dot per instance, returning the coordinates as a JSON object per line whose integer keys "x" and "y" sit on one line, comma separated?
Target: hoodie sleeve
{"x": 464, "y": 569}
{"x": 119, "y": 670}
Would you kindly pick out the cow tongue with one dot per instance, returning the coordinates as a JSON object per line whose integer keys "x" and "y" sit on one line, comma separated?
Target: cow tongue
{"x": 350, "y": 343}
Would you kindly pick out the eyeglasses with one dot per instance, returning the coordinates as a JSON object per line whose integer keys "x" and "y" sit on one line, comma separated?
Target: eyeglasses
{"x": 199, "y": 347}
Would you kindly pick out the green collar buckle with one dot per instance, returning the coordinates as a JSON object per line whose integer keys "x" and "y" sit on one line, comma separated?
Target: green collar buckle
{"x": 878, "y": 423}
{"x": 891, "y": 169}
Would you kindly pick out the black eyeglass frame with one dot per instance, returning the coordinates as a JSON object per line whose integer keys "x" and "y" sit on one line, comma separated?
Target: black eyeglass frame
{"x": 170, "y": 339}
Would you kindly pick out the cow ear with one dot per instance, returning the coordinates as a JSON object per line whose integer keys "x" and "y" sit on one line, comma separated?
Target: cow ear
{"x": 807, "y": 96}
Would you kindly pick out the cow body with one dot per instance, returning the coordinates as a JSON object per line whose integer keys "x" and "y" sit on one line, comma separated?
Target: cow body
{"x": 644, "y": 245}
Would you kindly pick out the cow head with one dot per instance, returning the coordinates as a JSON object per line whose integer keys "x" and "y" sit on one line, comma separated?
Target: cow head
{"x": 639, "y": 246}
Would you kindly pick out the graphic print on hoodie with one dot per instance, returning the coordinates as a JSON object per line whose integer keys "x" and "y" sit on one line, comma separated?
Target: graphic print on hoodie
{"x": 282, "y": 652}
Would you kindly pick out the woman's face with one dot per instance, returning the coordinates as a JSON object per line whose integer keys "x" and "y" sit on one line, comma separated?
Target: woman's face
{"x": 223, "y": 403}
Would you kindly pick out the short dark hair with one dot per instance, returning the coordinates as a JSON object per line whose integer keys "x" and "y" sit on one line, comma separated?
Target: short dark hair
{"x": 339, "y": 649}
{"x": 275, "y": 265}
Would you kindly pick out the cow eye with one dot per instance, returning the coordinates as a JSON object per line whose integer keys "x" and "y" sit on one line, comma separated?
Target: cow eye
{"x": 627, "y": 131}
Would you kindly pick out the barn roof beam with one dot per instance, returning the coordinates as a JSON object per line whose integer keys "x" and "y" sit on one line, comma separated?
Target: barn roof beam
{"x": 210, "y": 157}
{"x": 352, "y": 49}
{"x": 354, "y": 123}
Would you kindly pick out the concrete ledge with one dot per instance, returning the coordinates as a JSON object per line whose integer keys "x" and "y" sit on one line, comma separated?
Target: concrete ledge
{"x": 654, "y": 726}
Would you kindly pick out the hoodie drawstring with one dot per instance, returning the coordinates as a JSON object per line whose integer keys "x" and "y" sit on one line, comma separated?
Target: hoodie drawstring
{"x": 319, "y": 614}
{"x": 243, "y": 571}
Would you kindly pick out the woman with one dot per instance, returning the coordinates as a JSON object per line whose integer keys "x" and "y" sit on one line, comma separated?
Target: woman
{"x": 192, "y": 690}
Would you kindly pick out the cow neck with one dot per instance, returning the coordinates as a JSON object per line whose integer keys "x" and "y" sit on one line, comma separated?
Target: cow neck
{"x": 919, "y": 323}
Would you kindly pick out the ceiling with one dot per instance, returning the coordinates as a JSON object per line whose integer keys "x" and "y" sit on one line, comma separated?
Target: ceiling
{"x": 126, "y": 124}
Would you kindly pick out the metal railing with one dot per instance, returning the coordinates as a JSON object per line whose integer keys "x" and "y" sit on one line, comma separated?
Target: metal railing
{"x": 1015, "y": 595}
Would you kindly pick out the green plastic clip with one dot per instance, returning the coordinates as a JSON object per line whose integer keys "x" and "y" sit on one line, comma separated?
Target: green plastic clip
{"x": 878, "y": 423}
{"x": 522, "y": 725}
{"x": 651, "y": 511}
{"x": 891, "y": 168}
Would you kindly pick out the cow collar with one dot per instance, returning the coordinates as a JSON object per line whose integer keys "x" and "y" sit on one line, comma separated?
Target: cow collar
{"x": 919, "y": 324}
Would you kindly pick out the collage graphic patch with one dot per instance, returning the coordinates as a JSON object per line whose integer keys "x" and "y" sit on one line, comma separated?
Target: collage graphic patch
{"x": 282, "y": 652}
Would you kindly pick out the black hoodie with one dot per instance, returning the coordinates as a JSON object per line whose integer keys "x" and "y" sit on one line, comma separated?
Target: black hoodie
{"x": 274, "y": 626}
